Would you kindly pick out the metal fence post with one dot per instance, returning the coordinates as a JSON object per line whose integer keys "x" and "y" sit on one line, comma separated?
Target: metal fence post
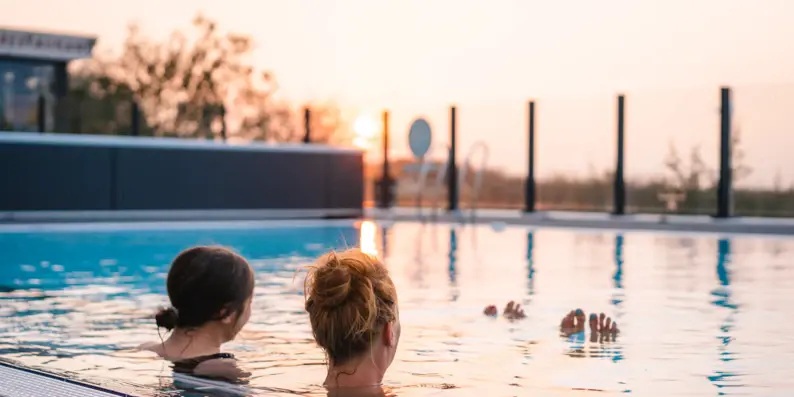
{"x": 619, "y": 193}
{"x": 725, "y": 185}
{"x": 452, "y": 172}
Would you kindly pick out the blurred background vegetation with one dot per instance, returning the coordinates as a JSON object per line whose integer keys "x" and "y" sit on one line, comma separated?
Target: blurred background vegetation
{"x": 198, "y": 83}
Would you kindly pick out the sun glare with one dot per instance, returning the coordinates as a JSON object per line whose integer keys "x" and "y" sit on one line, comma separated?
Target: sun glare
{"x": 367, "y": 239}
{"x": 366, "y": 130}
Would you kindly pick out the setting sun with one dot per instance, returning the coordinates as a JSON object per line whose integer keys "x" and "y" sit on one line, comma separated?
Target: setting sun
{"x": 366, "y": 130}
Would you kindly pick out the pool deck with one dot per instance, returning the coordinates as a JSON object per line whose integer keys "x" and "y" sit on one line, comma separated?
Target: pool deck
{"x": 593, "y": 220}
{"x": 43, "y": 221}
{"x": 16, "y": 217}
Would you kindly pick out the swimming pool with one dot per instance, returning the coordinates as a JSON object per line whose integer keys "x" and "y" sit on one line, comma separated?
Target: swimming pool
{"x": 700, "y": 314}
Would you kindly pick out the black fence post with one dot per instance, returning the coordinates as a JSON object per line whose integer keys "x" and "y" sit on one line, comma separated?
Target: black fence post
{"x": 224, "y": 130}
{"x": 384, "y": 188}
{"x": 529, "y": 192}
{"x": 725, "y": 185}
{"x": 135, "y": 119}
{"x": 41, "y": 113}
{"x": 307, "y": 125}
{"x": 385, "y": 121}
{"x": 619, "y": 193}
{"x": 452, "y": 171}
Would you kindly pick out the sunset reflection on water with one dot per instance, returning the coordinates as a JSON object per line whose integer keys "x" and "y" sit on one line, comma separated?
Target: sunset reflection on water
{"x": 698, "y": 313}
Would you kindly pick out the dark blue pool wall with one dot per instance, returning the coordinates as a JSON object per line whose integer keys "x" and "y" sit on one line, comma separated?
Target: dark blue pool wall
{"x": 111, "y": 173}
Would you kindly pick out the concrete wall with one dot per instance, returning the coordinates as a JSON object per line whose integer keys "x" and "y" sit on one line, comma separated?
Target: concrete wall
{"x": 60, "y": 172}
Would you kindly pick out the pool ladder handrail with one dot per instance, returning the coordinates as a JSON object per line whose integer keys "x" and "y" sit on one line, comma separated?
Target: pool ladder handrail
{"x": 441, "y": 174}
{"x": 478, "y": 174}
{"x": 426, "y": 167}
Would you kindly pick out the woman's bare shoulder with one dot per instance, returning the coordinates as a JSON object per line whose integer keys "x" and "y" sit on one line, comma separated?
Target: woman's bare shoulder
{"x": 155, "y": 347}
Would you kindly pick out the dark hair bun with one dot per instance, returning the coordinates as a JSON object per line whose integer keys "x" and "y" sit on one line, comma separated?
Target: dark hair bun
{"x": 206, "y": 284}
{"x": 166, "y": 318}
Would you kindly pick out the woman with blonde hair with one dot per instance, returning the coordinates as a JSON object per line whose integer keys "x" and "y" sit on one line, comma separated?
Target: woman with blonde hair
{"x": 353, "y": 311}
{"x": 352, "y": 306}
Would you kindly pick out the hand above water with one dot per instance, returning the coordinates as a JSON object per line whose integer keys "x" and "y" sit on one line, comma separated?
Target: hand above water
{"x": 602, "y": 328}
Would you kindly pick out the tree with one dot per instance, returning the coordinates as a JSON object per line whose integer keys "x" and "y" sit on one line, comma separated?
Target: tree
{"x": 95, "y": 104}
{"x": 685, "y": 176}
{"x": 689, "y": 176}
{"x": 740, "y": 170}
{"x": 327, "y": 124}
{"x": 195, "y": 84}
{"x": 777, "y": 185}
{"x": 282, "y": 124}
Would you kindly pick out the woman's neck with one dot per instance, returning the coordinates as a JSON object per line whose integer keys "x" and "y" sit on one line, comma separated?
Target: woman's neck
{"x": 188, "y": 343}
{"x": 363, "y": 373}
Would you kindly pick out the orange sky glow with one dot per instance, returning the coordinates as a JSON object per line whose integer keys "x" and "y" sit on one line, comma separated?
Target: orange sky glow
{"x": 416, "y": 57}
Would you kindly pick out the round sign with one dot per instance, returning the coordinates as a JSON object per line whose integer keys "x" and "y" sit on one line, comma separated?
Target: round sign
{"x": 419, "y": 137}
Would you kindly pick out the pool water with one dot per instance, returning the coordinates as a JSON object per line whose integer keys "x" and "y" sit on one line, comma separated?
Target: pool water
{"x": 699, "y": 314}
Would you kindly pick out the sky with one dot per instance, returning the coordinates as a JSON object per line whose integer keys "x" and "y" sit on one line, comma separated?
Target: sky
{"x": 418, "y": 57}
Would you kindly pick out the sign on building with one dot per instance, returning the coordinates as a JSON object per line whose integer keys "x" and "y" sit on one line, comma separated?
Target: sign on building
{"x": 55, "y": 47}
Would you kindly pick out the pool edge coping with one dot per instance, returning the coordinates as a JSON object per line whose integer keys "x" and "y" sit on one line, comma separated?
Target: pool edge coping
{"x": 38, "y": 373}
{"x": 584, "y": 220}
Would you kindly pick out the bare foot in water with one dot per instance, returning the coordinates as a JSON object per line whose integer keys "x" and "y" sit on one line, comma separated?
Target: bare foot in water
{"x": 491, "y": 311}
{"x": 572, "y": 323}
{"x": 602, "y": 328}
{"x": 512, "y": 311}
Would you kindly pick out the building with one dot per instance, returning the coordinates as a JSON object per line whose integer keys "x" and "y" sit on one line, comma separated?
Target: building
{"x": 33, "y": 76}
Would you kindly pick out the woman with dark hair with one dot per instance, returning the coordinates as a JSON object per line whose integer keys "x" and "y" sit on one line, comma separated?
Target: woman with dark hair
{"x": 210, "y": 289}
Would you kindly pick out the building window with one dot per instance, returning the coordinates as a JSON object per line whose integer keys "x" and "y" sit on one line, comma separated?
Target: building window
{"x": 22, "y": 83}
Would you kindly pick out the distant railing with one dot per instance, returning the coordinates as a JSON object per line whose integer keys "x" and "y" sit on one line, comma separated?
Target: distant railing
{"x": 706, "y": 179}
